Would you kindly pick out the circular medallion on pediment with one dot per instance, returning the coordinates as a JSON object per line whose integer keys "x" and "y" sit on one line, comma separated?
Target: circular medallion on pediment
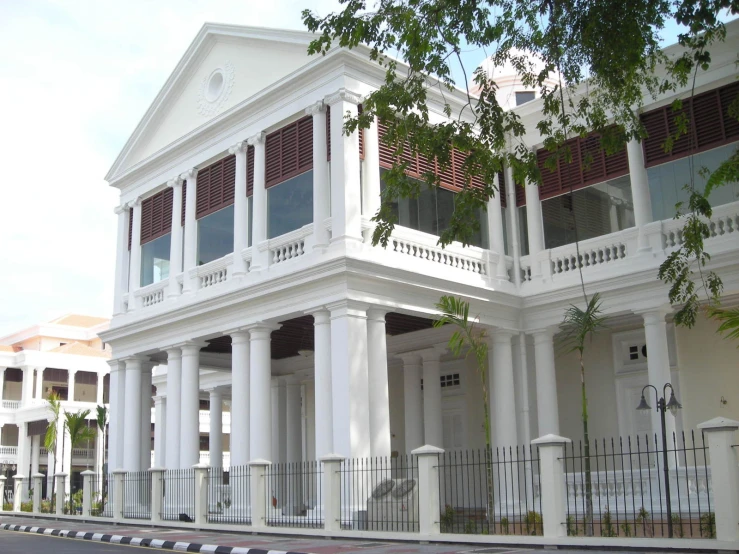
{"x": 215, "y": 89}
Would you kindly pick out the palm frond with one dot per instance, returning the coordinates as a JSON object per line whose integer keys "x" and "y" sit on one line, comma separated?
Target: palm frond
{"x": 729, "y": 322}
{"x": 579, "y": 325}
{"x": 79, "y": 431}
{"x": 55, "y": 406}
{"x": 102, "y": 417}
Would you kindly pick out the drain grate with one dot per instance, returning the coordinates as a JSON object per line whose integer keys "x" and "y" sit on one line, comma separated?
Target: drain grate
{"x": 370, "y": 544}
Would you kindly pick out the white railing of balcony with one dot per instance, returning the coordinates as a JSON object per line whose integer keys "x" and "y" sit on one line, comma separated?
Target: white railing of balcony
{"x": 723, "y": 222}
{"x": 11, "y": 404}
{"x": 597, "y": 251}
{"x": 212, "y": 273}
{"x": 525, "y": 264}
{"x": 151, "y": 295}
{"x": 422, "y": 246}
{"x": 8, "y": 450}
{"x": 289, "y": 246}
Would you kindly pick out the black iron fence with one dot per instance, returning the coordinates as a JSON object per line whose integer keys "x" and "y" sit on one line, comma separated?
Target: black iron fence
{"x": 617, "y": 488}
{"x": 179, "y": 495}
{"x": 490, "y": 491}
{"x": 137, "y": 495}
{"x": 380, "y": 494}
{"x": 294, "y": 494}
{"x": 100, "y": 495}
{"x": 228, "y": 495}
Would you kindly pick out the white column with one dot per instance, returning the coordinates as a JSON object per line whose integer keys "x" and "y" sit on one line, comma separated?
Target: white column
{"x": 639, "y": 190}
{"x": 534, "y": 226}
{"x": 99, "y": 435}
{"x": 146, "y": 397}
{"x": 24, "y": 449}
{"x": 116, "y": 427}
{"x": 279, "y": 409}
{"x": 134, "y": 277}
{"x": 131, "y": 416}
{"x": 412, "y": 401}
{"x": 71, "y": 378}
{"x": 514, "y": 235}
{"x": 495, "y": 232}
{"x": 349, "y": 380}
{"x": 241, "y": 211}
{"x": 502, "y": 391}
{"x": 216, "y": 428}
{"x": 432, "y": 429}
{"x": 160, "y": 430}
{"x": 27, "y": 386}
{"x": 379, "y": 396}
{"x": 240, "y": 392}
{"x": 174, "y": 399}
{"x": 346, "y": 216}
{"x": 658, "y": 367}
{"x": 121, "y": 261}
{"x": 321, "y": 190}
{"x": 2, "y": 384}
{"x": 293, "y": 421}
{"x": 260, "y": 419}
{"x": 35, "y": 453}
{"x": 190, "y": 405}
{"x": 322, "y": 383}
{"x": 39, "y": 393}
{"x": 175, "y": 247}
{"x": 259, "y": 257}
{"x": 546, "y": 382}
{"x": 190, "y": 256}
{"x": 371, "y": 175}
{"x": 99, "y": 388}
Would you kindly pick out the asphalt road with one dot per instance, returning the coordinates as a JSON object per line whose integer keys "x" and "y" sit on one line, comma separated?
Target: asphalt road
{"x": 25, "y": 543}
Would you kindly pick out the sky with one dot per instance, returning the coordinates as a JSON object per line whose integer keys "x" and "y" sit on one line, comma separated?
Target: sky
{"x": 76, "y": 76}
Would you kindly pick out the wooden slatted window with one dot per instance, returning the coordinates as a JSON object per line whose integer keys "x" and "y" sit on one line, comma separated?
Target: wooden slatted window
{"x": 249, "y": 171}
{"x": 711, "y": 126}
{"x": 502, "y": 190}
{"x": 156, "y": 215}
{"x": 590, "y": 165}
{"x": 328, "y": 134}
{"x": 184, "y": 201}
{"x": 452, "y": 178}
{"x": 215, "y": 187}
{"x": 289, "y": 152}
{"x": 130, "y": 227}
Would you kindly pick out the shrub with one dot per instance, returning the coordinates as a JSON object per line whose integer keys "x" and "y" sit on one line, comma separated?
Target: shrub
{"x": 606, "y": 525}
{"x": 27, "y": 506}
{"x": 708, "y": 525}
{"x": 532, "y": 522}
{"x": 677, "y": 526}
{"x": 447, "y": 518}
{"x": 504, "y": 525}
{"x": 572, "y": 529}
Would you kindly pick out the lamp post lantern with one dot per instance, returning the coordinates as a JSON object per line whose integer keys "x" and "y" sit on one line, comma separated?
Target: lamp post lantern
{"x": 673, "y": 405}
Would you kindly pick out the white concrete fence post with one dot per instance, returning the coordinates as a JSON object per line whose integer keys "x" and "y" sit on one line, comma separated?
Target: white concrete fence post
{"x": 429, "y": 506}
{"x": 201, "y": 493}
{"x": 157, "y": 493}
{"x": 119, "y": 476}
{"x": 60, "y": 495}
{"x": 722, "y": 450}
{"x": 17, "y": 491}
{"x": 87, "y": 477}
{"x": 3, "y": 480}
{"x": 332, "y": 491}
{"x": 259, "y": 493}
{"x": 38, "y": 485}
{"x": 552, "y": 484}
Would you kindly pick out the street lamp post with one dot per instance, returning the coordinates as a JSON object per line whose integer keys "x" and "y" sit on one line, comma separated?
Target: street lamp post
{"x": 673, "y": 405}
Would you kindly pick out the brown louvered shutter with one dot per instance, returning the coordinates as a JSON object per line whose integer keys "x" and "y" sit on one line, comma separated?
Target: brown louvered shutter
{"x": 710, "y": 126}
{"x": 130, "y": 227}
{"x": 156, "y": 216}
{"x": 249, "y": 170}
{"x": 361, "y": 136}
{"x": 215, "y": 186}
{"x": 386, "y": 153}
{"x": 289, "y": 152}
{"x": 502, "y": 190}
{"x": 184, "y": 201}
{"x": 328, "y": 133}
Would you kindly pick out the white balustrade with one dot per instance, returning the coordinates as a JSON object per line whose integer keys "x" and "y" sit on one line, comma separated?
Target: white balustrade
{"x": 592, "y": 252}
{"x": 289, "y": 246}
{"x": 212, "y": 273}
{"x": 525, "y": 263}
{"x": 11, "y": 404}
{"x": 151, "y": 295}
{"x": 8, "y": 450}
{"x": 724, "y": 221}
{"x": 422, "y": 246}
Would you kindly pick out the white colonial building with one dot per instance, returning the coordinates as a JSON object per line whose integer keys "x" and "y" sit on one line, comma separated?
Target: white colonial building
{"x": 64, "y": 356}
{"x": 246, "y": 277}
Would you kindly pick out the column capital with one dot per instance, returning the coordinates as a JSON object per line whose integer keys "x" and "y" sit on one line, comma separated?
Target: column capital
{"x": 259, "y": 138}
{"x": 348, "y": 307}
{"x": 135, "y": 359}
{"x": 315, "y": 108}
{"x": 654, "y": 315}
{"x": 345, "y": 95}
{"x": 409, "y": 358}
{"x": 121, "y": 209}
{"x": 377, "y": 313}
{"x": 176, "y": 182}
{"x": 320, "y": 315}
{"x": 215, "y": 391}
{"x": 434, "y": 353}
{"x": 498, "y": 335}
{"x": 160, "y": 398}
{"x": 543, "y": 334}
{"x": 239, "y": 147}
{"x": 262, "y": 330}
{"x": 190, "y": 174}
{"x": 190, "y": 348}
{"x": 116, "y": 364}
{"x": 135, "y": 203}
{"x": 173, "y": 352}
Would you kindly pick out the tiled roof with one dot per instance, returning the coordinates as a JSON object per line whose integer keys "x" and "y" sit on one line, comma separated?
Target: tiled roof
{"x": 6, "y": 348}
{"x": 79, "y": 349}
{"x": 76, "y": 320}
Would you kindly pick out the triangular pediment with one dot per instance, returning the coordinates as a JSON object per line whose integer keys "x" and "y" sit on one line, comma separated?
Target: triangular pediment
{"x": 224, "y": 66}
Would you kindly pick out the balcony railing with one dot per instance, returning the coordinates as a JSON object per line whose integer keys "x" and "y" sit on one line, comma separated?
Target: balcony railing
{"x": 152, "y": 294}
{"x": 11, "y": 404}
{"x": 212, "y": 273}
{"x": 8, "y": 451}
{"x": 289, "y": 246}
{"x": 724, "y": 222}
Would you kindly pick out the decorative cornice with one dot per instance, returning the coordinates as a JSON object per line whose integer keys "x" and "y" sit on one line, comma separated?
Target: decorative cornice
{"x": 345, "y": 95}
{"x": 318, "y": 107}
{"x": 256, "y": 139}
{"x": 176, "y": 182}
{"x": 238, "y": 147}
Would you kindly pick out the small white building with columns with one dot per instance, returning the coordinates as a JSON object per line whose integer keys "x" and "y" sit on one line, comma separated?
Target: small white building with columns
{"x": 64, "y": 356}
{"x": 248, "y": 291}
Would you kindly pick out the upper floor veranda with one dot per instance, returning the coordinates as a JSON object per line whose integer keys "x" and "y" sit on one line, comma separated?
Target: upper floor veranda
{"x": 265, "y": 191}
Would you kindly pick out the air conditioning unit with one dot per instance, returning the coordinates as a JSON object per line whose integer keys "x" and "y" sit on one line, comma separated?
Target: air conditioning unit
{"x": 393, "y": 506}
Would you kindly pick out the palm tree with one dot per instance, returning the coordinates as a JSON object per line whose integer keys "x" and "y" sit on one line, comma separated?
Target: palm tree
{"x": 579, "y": 326}
{"x": 79, "y": 431}
{"x": 52, "y": 433}
{"x": 102, "y": 421}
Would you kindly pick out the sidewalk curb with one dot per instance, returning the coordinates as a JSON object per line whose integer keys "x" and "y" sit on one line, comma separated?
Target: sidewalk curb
{"x": 147, "y": 542}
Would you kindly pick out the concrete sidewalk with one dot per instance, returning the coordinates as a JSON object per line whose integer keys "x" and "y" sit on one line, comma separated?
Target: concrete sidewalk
{"x": 206, "y": 541}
